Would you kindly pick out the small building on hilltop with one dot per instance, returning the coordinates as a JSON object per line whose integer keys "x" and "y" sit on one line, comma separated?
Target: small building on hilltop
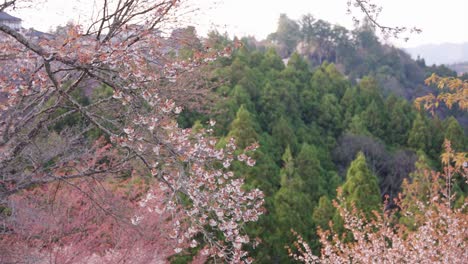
{"x": 10, "y": 21}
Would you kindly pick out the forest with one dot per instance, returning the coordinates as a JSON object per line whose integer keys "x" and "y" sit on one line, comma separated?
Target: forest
{"x": 318, "y": 144}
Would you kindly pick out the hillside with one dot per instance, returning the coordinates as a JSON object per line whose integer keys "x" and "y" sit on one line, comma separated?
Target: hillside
{"x": 120, "y": 144}
{"x": 460, "y": 68}
{"x": 314, "y": 105}
{"x": 356, "y": 53}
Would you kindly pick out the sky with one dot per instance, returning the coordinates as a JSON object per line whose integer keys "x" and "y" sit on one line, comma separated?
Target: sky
{"x": 441, "y": 21}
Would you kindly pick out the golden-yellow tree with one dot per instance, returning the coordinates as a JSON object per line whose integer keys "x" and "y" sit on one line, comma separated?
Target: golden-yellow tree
{"x": 453, "y": 91}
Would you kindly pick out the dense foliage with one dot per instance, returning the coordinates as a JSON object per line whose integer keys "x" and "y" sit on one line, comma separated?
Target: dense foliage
{"x": 312, "y": 118}
{"x": 103, "y": 165}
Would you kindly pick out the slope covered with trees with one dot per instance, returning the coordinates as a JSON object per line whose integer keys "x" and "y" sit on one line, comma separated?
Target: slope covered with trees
{"x": 312, "y": 121}
{"x": 101, "y": 163}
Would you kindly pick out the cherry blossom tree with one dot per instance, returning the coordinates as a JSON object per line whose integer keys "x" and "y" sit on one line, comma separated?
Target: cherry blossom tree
{"x": 84, "y": 222}
{"x": 127, "y": 131}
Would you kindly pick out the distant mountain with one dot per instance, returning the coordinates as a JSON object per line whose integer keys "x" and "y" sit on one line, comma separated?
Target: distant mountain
{"x": 460, "y": 68}
{"x": 446, "y": 53}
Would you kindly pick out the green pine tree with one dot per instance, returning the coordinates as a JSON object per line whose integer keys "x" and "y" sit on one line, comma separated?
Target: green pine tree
{"x": 399, "y": 123}
{"x": 454, "y": 132}
{"x": 361, "y": 188}
{"x": 329, "y": 114}
{"x": 243, "y": 128}
{"x": 418, "y": 137}
{"x": 284, "y": 135}
{"x": 323, "y": 213}
{"x": 375, "y": 119}
{"x": 293, "y": 208}
{"x": 358, "y": 126}
{"x": 312, "y": 174}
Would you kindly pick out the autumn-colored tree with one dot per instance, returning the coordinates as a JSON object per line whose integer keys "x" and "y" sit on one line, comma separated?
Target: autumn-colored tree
{"x": 453, "y": 91}
{"x": 87, "y": 221}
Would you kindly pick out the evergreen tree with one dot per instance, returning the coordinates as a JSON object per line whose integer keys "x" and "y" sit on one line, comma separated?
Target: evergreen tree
{"x": 391, "y": 102}
{"x": 287, "y": 35}
{"x": 284, "y": 135}
{"x": 339, "y": 83}
{"x": 351, "y": 104}
{"x": 399, "y": 123}
{"x": 370, "y": 91}
{"x": 320, "y": 80}
{"x": 243, "y": 129}
{"x": 333, "y": 182}
{"x": 418, "y": 137}
{"x": 329, "y": 115}
{"x": 251, "y": 81}
{"x": 300, "y": 65}
{"x": 239, "y": 96}
{"x": 312, "y": 174}
{"x": 293, "y": 207}
{"x": 454, "y": 132}
{"x": 358, "y": 126}
{"x": 289, "y": 98}
{"x": 271, "y": 61}
{"x": 237, "y": 70}
{"x": 361, "y": 188}
{"x": 435, "y": 137}
{"x": 297, "y": 72}
{"x": 375, "y": 119}
{"x": 309, "y": 104}
{"x": 270, "y": 107}
{"x": 288, "y": 171}
{"x": 323, "y": 213}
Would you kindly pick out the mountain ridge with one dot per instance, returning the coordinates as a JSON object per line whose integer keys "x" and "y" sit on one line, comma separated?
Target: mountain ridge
{"x": 442, "y": 53}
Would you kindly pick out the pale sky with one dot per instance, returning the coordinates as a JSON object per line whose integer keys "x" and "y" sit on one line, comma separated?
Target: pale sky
{"x": 441, "y": 21}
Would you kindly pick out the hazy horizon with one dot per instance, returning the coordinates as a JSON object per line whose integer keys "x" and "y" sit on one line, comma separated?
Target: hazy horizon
{"x": 259, "y": 18}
